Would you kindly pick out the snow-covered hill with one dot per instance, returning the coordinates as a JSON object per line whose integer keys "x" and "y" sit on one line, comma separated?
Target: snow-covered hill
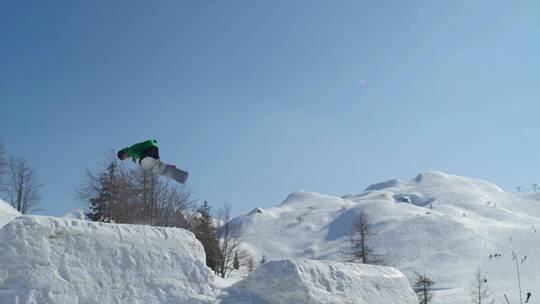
{"x": 445, "y": 225}
{"x": 50, "y": 260}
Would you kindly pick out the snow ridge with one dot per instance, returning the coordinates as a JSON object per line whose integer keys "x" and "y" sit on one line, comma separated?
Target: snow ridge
{"x": 446, "y": 225}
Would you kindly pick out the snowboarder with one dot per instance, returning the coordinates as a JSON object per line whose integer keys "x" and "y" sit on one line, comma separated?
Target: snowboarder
{"x": 529, "y": 295}
{"x": 147, "y": 153}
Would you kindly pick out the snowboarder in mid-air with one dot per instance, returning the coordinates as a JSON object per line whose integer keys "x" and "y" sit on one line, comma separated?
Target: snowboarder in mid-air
{"x": 147, "y": 154}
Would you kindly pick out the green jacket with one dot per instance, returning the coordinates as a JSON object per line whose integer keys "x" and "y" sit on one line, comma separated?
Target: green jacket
{"x": 135, "y": 151}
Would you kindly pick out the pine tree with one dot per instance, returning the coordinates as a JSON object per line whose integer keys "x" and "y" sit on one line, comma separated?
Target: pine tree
{"x": 236, "y": 261}
{"x": 205, "y": 232}
{"x": 106, "y": 196}
{"x": 422, "y": 288}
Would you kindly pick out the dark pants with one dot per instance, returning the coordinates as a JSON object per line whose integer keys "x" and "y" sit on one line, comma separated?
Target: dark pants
{"x": 152, "y": 152}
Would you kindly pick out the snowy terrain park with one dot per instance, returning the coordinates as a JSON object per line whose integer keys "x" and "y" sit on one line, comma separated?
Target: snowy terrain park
{"x": 63, "y": 260}
{"x": 443, "y": 225}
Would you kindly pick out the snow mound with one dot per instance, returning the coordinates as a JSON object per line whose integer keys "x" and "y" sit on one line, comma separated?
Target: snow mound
{"x": 76, "y": 214}
{"x": 310, "y": 281}
{"x": 7, "y": 213}
{"x": 55, "y": 260}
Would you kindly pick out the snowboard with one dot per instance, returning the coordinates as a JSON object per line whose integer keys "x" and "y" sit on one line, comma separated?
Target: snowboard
{"x": 157, "y": 167}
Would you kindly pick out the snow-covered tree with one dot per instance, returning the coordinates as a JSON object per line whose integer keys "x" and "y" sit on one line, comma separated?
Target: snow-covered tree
{"x": 479, "y": 289}
{"x": 22, "y": 186}
{"x": 423, "y": 288}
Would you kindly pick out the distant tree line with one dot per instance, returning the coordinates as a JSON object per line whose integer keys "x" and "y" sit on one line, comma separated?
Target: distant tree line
{"x": 532, "y": 188}
{"x": 118, "y": 194}
{"x": 19, "y": 183}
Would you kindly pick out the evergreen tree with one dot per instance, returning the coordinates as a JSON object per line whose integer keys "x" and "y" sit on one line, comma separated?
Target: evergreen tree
{"x": 236, "y": 261}
{"x": 205, "y": 232}
{"x": 106, "y": 195}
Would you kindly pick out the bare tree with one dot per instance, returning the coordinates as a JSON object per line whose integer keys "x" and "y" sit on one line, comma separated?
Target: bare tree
{"x": 359, "y": 250}
{"x": 479, "y": 289}
{"x": 228, "y": 235}
{"x": 3, "y": 166}
{"x": 22, "y": 186}
{"x": 174, "y": 206}
{"x": 121, "y": 195}
{"x": 423, "y": 288}
{"x": 250, "y": 263}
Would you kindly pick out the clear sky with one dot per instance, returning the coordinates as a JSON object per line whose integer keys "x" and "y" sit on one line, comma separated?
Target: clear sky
{"x": 260, "y": 98}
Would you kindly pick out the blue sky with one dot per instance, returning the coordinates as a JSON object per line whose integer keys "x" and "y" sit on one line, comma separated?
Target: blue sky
{"x": 260, "y": 98}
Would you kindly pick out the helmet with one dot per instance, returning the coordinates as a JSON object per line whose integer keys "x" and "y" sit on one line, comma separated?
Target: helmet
{"x": 121, "y": 153}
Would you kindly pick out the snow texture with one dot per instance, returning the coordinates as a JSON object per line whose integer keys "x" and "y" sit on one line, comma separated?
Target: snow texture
{"x": 54, "y": 260}
{"x": 309, "y": 281}
{"x": 7, "y": 213}
{"x": 443, "y": 224}
{"x": 76, "y": 214}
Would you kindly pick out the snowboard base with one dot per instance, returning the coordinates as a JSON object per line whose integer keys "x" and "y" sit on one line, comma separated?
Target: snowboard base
{"x": 176, "y": 174}
{"x": 157, "y": 167}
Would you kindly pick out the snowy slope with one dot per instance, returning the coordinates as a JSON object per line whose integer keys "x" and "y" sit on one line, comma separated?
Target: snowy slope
{"x": 50, "y": 260}
{"x": 310, "y": 281}
{"x": 54, "y": 260}
{"x": 7, "y": 213}
{"x": 443, "y": 224}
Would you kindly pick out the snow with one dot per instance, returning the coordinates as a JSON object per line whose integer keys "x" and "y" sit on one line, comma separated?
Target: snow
{"x": 63, "y": 260}
{"x": 309, "y": 281}
{"x": 56, "y": 260}
{"x": 76, "y": 214}
{"x": 443, "y": 224}
{"x": 7, "y": 213}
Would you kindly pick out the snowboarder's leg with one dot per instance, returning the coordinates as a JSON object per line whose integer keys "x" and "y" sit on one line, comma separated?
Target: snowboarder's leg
{"x": 156, "y": 167}
{"x": 152, "y": 165}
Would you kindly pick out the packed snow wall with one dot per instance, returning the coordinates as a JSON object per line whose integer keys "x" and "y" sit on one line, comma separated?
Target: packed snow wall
{"x": 310, "y": 281}
{"x": 53, "y": 260}
{"x": 7, "y": 213}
